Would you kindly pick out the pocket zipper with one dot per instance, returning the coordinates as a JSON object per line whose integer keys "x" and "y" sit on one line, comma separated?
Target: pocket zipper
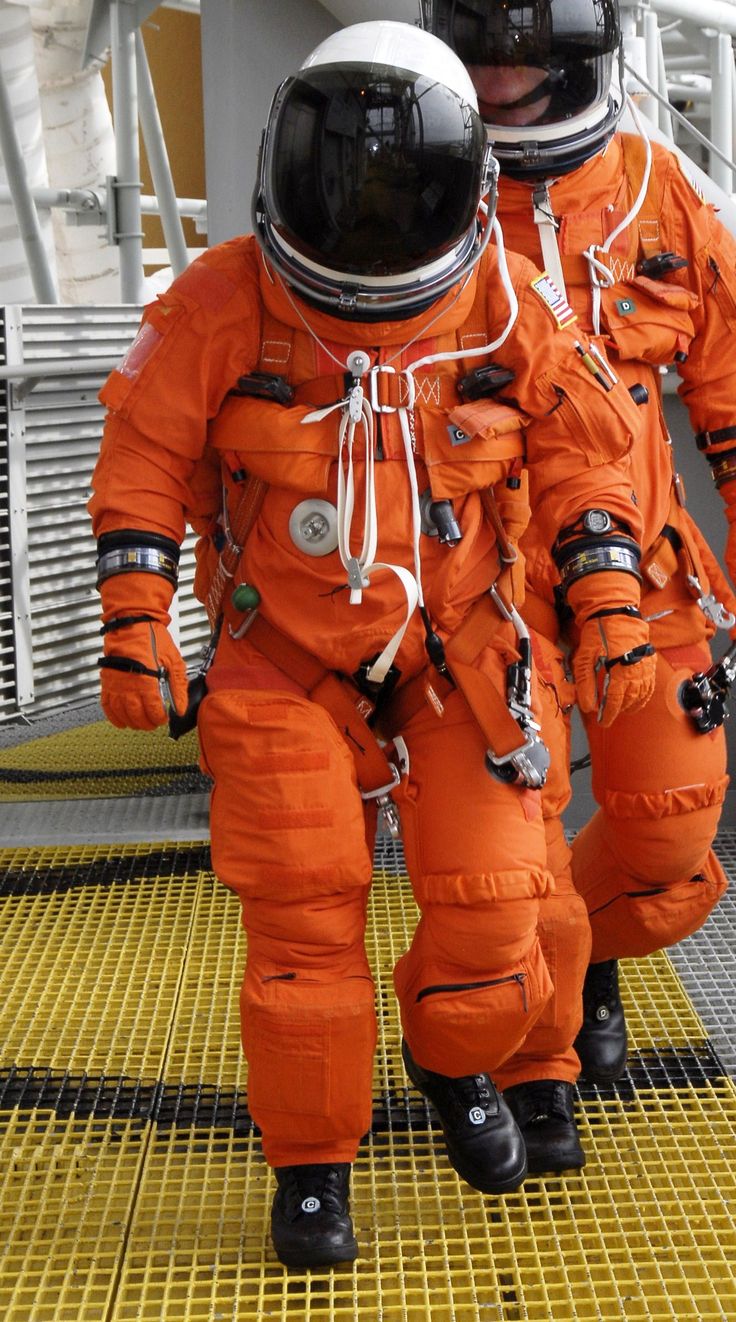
{"x": 475, "y": 986}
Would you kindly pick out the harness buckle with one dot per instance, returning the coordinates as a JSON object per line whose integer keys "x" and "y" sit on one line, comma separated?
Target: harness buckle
{"x": 390, "y": 408}
{"x": 384, "y": 803}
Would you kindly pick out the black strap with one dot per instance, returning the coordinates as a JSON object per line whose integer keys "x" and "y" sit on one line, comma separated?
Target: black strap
{"x": 631, "y": 611}
{"x": 705, "y": 438}
{"x": 123, "y": 621}
{"x": 129, "y": 666}
{"x": 630, "y": 658}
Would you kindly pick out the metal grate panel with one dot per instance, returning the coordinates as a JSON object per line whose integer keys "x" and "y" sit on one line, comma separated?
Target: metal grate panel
{"x": 7, "y": 659}
{"x": 62, "y": 422}
{"x": 132, "y": 1185}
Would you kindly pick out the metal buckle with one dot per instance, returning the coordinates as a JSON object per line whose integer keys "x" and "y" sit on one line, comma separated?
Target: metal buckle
{"x": 390, "y": 408}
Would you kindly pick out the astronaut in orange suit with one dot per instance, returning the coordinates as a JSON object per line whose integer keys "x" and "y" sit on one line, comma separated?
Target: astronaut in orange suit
{"x": 651, "y": 276}
{"x": 330, "y": 374}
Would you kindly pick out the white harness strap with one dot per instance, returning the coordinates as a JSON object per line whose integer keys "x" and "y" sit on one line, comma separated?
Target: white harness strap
{"x": 547, "y": 225}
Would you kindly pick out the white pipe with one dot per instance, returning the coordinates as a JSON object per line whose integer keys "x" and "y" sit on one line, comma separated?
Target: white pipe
{"x": 721, "y": 81}
{"x": 710, "y": 13}
{"x": 158, "y": 160}
{"x": 128, "y": 233}
{"x": 80, "y": 150}
{"x": 16, "y": 54}
{"x": 649, "y": 106}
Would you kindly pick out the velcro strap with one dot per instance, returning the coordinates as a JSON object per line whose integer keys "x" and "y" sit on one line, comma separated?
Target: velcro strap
{"x": 383, "y": 389}
{"x": 348, "y": 707}
{"x": 631, "y": 612}
{"x": 488, "y": 705}
{"x": 704, "y": 439}
{"x": 123, "y": 621}
{"x": 129, "y": 666}
{"x": 631, "y": 657}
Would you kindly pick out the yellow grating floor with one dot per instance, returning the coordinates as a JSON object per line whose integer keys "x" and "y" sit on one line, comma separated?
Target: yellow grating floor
{"x": 132, "y": 1186}
{"x": 99, "y": 761}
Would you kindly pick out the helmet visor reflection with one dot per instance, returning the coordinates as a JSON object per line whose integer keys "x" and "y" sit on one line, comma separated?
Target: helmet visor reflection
{"x": 371, "y": 171}
{"x": 553, "y": 58}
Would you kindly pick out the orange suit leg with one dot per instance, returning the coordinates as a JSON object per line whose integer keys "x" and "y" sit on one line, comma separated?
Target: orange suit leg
{"x": 288, "y": 836}
{"x": 473, "y": 980}
{"x": 644, "y": 863}
{"x": 563, "y": 926}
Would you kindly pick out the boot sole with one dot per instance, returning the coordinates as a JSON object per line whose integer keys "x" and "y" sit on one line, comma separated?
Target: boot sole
{"x": 603, "y": 1076}
{"x": 304, "y": 1260}
{"x": 509, "y": 1185}
{"x": 558, "y": 1167}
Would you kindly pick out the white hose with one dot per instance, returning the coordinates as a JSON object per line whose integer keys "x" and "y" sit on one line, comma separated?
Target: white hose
{"x": 19, "y": 71}
{"x": 80, "y": 147}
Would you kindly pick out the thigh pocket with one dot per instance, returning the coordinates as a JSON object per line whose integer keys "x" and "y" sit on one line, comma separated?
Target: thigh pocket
{"x": 311, "y": 1058}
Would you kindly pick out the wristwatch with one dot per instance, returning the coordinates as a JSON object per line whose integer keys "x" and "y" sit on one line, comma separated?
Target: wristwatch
{"x": 597, "y": 521}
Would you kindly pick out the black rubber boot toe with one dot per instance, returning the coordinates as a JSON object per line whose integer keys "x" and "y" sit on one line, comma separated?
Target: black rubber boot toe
{"x": 310, "y": 1217}
{"x": 481, "y": 1136}
{"x": 545, "y": 1113}
{"x": 602, "y": 1043}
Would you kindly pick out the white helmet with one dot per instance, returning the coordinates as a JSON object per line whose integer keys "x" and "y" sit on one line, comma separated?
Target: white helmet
{"x": 373, "y": 162}
{"x": 566, "y": 110}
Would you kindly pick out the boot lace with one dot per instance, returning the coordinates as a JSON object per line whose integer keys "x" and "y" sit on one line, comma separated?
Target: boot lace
{"x": 546, "y": 1099}
{"x": 601, "y": 990}
{"x": 314, "y": 1188}
{"x": 474, "y": 1093}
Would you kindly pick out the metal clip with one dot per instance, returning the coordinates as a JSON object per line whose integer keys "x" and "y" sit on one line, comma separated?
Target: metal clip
{"x": 384, "y": 803}
{"x": 355, "y": 403}
{"x": 712, "y": 609}
{"x": 356, "y": 579}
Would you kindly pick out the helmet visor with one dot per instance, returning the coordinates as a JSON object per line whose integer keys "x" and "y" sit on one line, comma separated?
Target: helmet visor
{"x": 536, "y": 63}
{"x": 371, "y": 171}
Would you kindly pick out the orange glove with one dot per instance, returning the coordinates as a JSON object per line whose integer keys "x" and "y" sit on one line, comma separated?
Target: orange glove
{"x": 142, "y": 664}
{"x": 614, "y": 663}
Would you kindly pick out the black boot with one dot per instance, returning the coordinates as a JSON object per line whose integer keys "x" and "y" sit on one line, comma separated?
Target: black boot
{"x": 310, "y": 1217}
{"x": 483, "y": 1142}
{"x": 601, "y": 1043}
{"x": 545, "y": 1114}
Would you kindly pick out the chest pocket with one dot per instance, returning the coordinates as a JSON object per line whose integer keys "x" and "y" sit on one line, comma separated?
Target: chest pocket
{"x": 648, "y": 320}
{"x": 274, "y": 444}
{"x": 476, "y": 446}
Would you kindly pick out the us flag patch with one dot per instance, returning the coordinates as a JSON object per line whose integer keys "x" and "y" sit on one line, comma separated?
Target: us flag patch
{"x": 546, "y": 289}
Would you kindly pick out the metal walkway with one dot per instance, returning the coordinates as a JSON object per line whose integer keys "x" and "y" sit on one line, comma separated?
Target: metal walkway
{"x": 131, "y": 1182}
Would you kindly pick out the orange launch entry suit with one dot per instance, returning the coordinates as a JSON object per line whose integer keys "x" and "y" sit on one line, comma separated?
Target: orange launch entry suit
{"x": 644, "y": 862}
{"x": 290, "y": 831}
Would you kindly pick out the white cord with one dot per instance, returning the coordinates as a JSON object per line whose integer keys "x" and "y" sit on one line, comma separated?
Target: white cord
{"x": 357, "y": 411}
{"x": 599, "y": 273}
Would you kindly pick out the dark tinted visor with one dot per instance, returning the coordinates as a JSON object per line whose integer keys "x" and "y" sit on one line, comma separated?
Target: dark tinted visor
{"x": 546, "y": 34}
{"x": 372, "y": 171}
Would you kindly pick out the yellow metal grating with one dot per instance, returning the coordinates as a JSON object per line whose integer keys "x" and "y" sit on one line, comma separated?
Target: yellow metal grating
{"x": 67, "y": 1189}
{"x": 99, "y": 761}
{"x": 132, "y": 1186}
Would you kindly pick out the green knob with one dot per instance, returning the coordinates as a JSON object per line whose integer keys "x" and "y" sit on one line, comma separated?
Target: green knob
{"x": 245, "y": 597}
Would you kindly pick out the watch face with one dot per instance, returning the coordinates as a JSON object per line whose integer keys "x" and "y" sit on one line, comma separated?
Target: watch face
{"x": 597, "y": 521}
